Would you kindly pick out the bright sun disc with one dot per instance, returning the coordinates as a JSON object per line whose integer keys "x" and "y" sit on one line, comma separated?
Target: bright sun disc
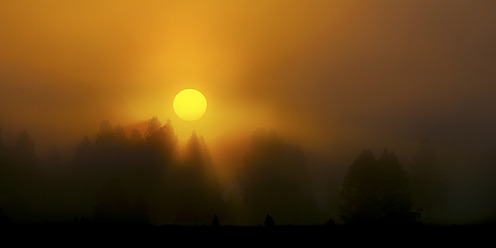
{"x": 190, "y": 104}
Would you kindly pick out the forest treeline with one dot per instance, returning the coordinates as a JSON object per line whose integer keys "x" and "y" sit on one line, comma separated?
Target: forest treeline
{"x": 136, "y": 178}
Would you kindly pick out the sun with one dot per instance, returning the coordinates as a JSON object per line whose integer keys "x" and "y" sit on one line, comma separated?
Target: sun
{"x": 190, "y": 104}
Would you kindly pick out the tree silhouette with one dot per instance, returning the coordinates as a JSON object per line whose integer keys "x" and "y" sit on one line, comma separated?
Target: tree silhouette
{"x": 105, "y": 138}
{"x": 215, "y": 221}
{"x": 159, "y": 156}
{"x": 198, "y": 185}
{"x": 55, "y": 157}
{"x": 1, "y": 140}
{"x": 330, "y": 223}
{"x": 23, "y": 183}
{"x": 376, "y": 191}
{"x": 269, "y": 222}
{"x": 5, "y": 174}
{"x": 274, "y": 179}
{"x": 332, "y": 198}
{"x": 140, "y": 163}
{"x": 83, "y": 178}
{"x": 153, "y": 125}
{"x": 84, "y": 151}
{"x": 3, "y": 156}
{"x": 112, "y": 204}
{"x": 135, "y": 137}
{"x": 161, "y": 142}
{"x": 25, "y": 149}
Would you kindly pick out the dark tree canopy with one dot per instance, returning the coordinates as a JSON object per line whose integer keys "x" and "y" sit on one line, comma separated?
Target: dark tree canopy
{"x": 140, "y": 164}
{"x": 153, "y": 125}
{"x": 135, "y": 137}
{"x": 25, "y": 148}
{"x": 161, "y": 141}
{"x": 84, "y": 150}
{"x": 129, "y": 178}
{"x": 198, "y": 185}
{"x": 113, "y": 205}
{"x": 376, "y": 191}
{"x": 275, "y": 180}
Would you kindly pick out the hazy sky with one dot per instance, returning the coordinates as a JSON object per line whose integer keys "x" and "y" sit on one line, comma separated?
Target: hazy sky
{"x": 330, "y": 75}
{"x": 334, "y": 65}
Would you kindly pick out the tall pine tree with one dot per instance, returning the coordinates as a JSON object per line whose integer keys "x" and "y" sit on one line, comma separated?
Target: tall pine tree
{"x": 376, "y": 191}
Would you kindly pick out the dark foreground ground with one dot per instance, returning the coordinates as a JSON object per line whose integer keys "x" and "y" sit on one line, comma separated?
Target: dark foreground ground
{"x": 306, "y": 236}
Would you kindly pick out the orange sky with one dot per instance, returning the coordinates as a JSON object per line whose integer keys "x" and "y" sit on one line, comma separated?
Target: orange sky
{"x": 72, "y": 64}
{"x": 334, "y": 76}
{"x": 319, "y": 70}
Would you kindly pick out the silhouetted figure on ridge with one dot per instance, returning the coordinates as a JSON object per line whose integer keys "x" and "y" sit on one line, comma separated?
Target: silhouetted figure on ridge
{"x": 269, "y": 222}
